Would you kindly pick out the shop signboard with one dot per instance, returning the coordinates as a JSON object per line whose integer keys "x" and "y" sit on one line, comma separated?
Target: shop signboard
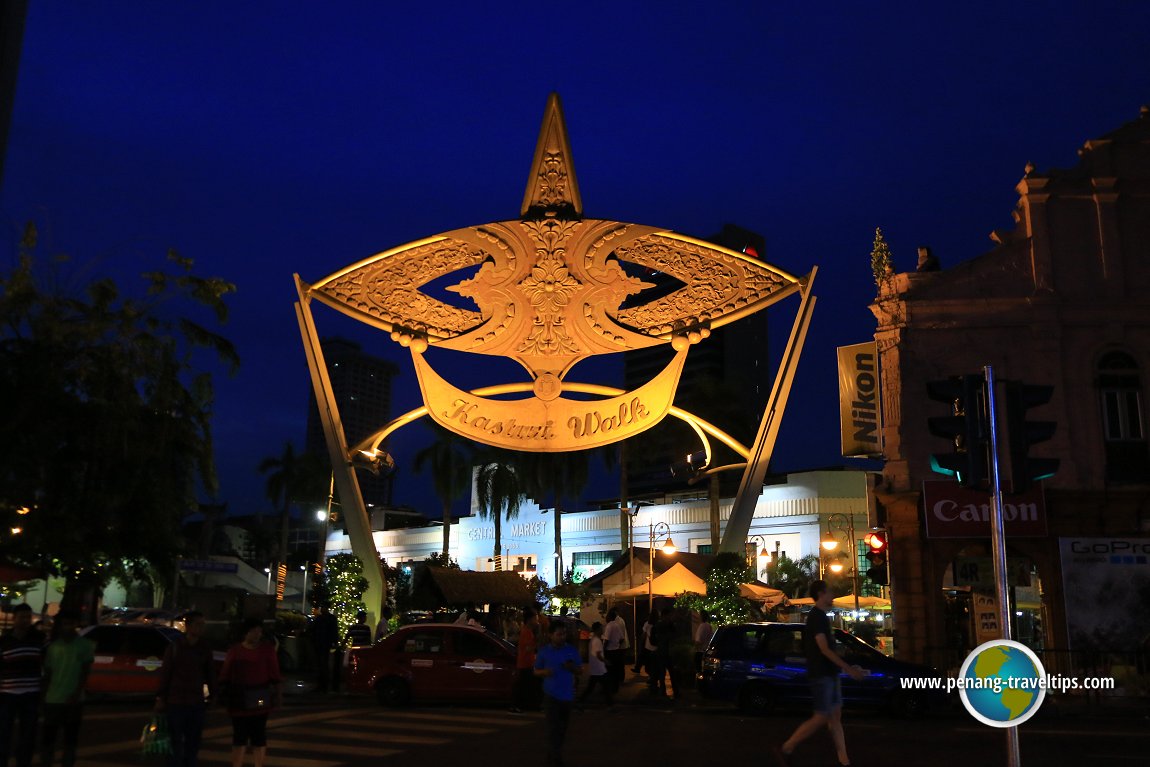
{"x": 1106, "y": 581}
{"x": 954, "y": 511}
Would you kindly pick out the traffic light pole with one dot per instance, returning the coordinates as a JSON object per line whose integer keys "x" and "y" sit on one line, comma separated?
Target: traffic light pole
{"x": 998, "y": 545}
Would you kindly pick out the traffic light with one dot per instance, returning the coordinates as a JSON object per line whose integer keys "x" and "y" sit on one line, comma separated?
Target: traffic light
{"x": 877, "y": 556}
{"x": 966, "y": 427}
{"x": 1021, "y": 434}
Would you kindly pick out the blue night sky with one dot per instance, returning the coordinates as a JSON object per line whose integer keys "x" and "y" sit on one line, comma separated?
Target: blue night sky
{"x": 262, "y": 139}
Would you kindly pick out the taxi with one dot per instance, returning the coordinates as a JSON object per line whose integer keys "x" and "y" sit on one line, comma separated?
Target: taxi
{"x": 433, "y": 661}
{"x": 128, "y": 657}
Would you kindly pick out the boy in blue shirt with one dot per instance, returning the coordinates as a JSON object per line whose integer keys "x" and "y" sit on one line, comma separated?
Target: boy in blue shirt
{"x": 558, "y": 662}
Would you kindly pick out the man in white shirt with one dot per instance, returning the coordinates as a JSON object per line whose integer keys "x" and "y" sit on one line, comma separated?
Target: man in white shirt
{"x": 614, "y": 647}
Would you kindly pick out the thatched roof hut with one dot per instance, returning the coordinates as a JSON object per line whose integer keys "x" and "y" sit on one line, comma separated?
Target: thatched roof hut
{"x": 436, "y": 587}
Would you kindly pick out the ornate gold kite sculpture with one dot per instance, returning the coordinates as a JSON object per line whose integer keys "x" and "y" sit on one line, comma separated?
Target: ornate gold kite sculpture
{"x": 550, "y": 291}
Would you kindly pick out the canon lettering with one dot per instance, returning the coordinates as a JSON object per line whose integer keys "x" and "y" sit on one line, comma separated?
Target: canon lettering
{"x": 949, "y": 511}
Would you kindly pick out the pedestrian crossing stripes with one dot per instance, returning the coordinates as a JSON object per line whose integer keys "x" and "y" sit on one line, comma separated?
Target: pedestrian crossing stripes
{"x": 335, "y": 738}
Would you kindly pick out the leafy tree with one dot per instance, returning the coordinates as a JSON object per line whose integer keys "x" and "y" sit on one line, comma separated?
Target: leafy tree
{"x": 539, "y": 590}
{"x": 107, "y": 440}
{"x": 881, "y": 264}
{"x": 449, "y": 458}
{"x": 399, "y": 582}
{"x": 726, "y": 573}
{"x": 439, "y": 559}
{"x": 569, "y": 593}
{"x": 346, "y": 584}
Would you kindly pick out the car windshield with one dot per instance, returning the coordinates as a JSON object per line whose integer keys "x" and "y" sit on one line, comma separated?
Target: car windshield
{"x": 852, "y": 645}
{"x": 502, "y": 642}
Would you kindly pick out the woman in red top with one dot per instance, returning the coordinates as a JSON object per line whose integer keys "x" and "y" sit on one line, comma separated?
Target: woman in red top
{"x": 251, "y": 674}
{"x": 524, "y": 693}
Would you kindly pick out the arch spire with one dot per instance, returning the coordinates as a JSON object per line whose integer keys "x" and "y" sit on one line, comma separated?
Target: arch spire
{"x": 552, "y": 189}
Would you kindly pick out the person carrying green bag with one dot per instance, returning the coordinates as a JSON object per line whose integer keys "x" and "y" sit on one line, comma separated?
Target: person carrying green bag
{"x": 187, "y": 671}
{"x": 154, "y": 740}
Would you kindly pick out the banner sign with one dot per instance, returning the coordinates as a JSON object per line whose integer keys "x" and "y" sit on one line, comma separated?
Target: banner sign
{"x": 954, "y": 511}
{"x": 860, "y": 412}
{"x": 1106, "y": 581}
{"x": 207, "y": 566}
{"x": 554, "y": 424}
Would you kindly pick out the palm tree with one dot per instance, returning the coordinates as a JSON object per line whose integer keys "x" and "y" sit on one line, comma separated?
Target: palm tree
{"x": 293, "y": 478}
{"x": 499, "y": 492}
{"x": 450, "y": 458}
{"x": 281, "y": 481}
{"x": 794, "y": 576}
{"x": 558, "y": 475}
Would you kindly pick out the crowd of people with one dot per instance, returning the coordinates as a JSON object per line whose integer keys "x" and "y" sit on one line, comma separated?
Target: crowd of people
{"x": 41, "y": 688}
{"x": 42, "y": 678}
{"x": 42, "y": 681}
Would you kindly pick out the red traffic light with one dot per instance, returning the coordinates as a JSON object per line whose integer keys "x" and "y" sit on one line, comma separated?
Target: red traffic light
{"x": 876, "y": 541}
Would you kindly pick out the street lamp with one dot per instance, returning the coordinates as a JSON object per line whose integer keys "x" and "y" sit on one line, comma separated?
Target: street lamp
{"x": 658, "y": 530}
{"x": 759, "y": 543}
{"x": 303, "y": 593}
{"x": 324, "y": 516}
{"x": 843, "y": 523}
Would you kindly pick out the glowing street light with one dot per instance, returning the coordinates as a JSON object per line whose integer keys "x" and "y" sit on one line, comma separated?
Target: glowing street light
{"x": 844, "y": 523}
{"x": 658, "y": 529}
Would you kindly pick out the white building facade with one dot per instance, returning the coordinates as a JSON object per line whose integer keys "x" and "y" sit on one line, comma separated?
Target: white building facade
{"x": 790, "y": 519}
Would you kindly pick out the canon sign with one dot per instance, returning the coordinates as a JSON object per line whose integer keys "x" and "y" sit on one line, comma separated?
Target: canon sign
{"x": 953, "y": 511}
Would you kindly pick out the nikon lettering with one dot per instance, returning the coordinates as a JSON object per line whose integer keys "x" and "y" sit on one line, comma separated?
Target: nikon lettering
{"x": 859, "y": 400}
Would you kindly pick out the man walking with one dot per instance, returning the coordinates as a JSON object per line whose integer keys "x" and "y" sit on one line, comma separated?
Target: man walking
{"x": 66, "y": 664}
{"x": 525, "y": 695}
{"x": 614, "y": 650}
{"x": 558, "y": 663}
{"x": 324, "y": 640}
{"x": 21, "y": 656}
{"x": 187, "y": 670}
{"x": 823, "y": 665}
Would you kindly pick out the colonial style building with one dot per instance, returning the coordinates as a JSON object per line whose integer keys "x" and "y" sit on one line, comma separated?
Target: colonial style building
{"x": 1063, "y": 299}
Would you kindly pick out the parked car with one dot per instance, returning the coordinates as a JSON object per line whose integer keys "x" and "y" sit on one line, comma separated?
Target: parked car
{"x": 433, "y": 661}
{"x": 762, "y": 666}
{"x": 152, "y": 615}
{"x": 129, "y": 656}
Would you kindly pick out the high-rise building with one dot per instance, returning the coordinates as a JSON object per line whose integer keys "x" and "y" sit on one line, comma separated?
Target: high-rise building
{"x": 361, "y": 384}
{"x": 726, "y": 380}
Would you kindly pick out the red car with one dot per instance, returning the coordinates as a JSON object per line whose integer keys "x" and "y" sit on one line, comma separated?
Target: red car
{"x": 129, "y": 656}
{"x": 434, "y": 661}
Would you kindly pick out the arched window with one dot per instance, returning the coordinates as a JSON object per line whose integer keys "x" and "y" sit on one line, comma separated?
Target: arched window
{"x": 1120, "y": 387}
